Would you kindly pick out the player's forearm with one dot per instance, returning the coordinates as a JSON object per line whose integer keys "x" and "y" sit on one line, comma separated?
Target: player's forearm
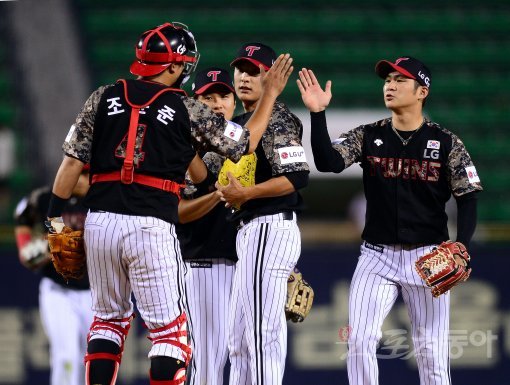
{"x": 197, "y": 170}
{"x": 326, "y": 158}
{"x": 65, "y": 181}
{"x": 466, "y": 217}
{"x": 259, "y": 120}
{"x": 193, "y": 209}
{"x": 273, "y": 187}
{"x": 67, "y": 177}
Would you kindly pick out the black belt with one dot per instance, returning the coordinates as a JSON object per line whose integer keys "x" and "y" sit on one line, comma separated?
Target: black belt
{"x": 287, "y": 216}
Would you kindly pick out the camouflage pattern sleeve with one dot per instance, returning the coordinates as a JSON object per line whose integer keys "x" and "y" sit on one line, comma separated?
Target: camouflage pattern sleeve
{"x": 212, "y": 132}
{"x": 462, "y": 173}
{"x": 78, "y": 142}
{"x": 282, "y": 141}
{"x": 213, "y": 162}
{"x": 350, "y": 145}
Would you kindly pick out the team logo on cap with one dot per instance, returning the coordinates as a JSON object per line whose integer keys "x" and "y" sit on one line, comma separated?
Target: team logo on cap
{"x": 401, "y": 59}
{"x": 251, "y": 49}
{"x": 213, "y": 75}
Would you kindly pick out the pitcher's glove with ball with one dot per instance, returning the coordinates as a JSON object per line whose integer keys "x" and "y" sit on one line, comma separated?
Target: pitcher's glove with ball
{"x": 299, "y": 297}
{"x": 444, "y": 267}
{"x": 67, "y": 251}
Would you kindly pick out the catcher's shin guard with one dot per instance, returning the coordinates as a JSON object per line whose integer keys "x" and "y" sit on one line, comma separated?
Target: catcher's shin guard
{"x": 170, "y": 341}
{"x": 105, "y": 347}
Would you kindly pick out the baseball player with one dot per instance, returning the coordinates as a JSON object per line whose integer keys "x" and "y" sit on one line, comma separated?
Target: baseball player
{"x": 208, "y": 248}
{"x": 65, "y": 307}
{"x": 268, "y": 241}
{"x": 411, "y": 166}
{"x": 138, "y": 136}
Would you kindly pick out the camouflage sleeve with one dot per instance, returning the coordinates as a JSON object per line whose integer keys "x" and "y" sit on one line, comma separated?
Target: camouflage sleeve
{"x": 212, "y": 132}
{"x": 213, "y": 162}
{"x": 350, "y": 145}
{"x": 462, "y": 173}
{"x": 78, "y": 142}
{"x": 288, "y": 154}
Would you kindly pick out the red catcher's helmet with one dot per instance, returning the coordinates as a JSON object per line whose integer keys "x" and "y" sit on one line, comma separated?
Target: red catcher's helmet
{"x": 159, "y": 47}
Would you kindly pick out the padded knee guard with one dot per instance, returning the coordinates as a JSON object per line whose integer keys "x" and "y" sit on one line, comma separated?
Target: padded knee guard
{"x": 105, "y": 347}
{"x": 172, "y": 341}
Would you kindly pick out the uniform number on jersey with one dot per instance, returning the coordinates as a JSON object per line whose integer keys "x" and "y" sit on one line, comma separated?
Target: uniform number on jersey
{"x": 139, "y": 156}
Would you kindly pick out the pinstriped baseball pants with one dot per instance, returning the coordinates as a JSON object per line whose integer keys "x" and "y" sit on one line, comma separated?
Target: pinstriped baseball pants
{"x": 268, "y": 248}
{"x": 140, "y": 255}
{"x": 382, "y": 272}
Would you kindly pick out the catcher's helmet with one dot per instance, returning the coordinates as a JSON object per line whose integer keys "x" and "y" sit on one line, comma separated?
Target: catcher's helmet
{"x": 159, "y": 47}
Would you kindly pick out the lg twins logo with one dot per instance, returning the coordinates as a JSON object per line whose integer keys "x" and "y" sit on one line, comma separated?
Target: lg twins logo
{"x": 251, "y": 49}
{"x": 432, "y": 150}
{"x": 426, "y": 79}
{"x": 213, "y": 75}
{"x": 400, "y": 59}
{"x": 294, "y": 154}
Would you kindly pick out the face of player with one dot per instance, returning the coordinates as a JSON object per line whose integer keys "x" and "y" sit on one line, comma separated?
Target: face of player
{"x": 401, "y": 92}
{"x": 221, "y": 101}
{"x": 248, "y": 84}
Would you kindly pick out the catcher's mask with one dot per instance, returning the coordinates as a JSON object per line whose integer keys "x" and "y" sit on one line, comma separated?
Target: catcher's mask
{"x": 159, "y": 47}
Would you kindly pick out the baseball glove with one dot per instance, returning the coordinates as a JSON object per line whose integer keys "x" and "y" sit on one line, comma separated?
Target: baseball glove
{"x": 243, "y": 171}
{"x": 68, "y": 252}
{"x": 299, "y": 297}
{"x": 444, "y": 267}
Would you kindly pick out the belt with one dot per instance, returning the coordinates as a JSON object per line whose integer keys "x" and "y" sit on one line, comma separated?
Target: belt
{"x": 286, "y": 216}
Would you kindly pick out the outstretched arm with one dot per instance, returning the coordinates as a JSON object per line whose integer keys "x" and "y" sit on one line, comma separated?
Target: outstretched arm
{"x": 314, "y": 97}
{"x": 326, "y": 158}
{"x": 273, "y": 83}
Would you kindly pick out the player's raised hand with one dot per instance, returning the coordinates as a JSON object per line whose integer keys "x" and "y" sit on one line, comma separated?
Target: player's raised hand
{"x": 275, "y": 80}
{"x": 314, "y": 97}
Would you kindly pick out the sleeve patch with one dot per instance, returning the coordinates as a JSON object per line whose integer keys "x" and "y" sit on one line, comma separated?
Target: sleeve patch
{"x": 233, "y": 131}
{"x": 292, "y": 154}
{"x": 70, "y": 133}
{"x": 472, "y": 174}
{"x": 338, "y": 141}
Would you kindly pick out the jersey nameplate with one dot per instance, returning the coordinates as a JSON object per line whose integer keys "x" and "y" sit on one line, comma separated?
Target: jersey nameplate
{"x": 292, "y": 154}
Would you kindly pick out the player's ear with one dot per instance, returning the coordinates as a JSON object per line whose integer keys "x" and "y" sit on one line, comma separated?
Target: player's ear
{"x": 424, "y": 92}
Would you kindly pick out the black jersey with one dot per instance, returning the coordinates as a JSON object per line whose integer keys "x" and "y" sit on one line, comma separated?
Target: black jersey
{"x": 279, "y": 153}
{"x": 169, "y": 131}
{"x": 408, "y": 185}
{"x": 212, "y": 236}
{"x": 31, "y": 212}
